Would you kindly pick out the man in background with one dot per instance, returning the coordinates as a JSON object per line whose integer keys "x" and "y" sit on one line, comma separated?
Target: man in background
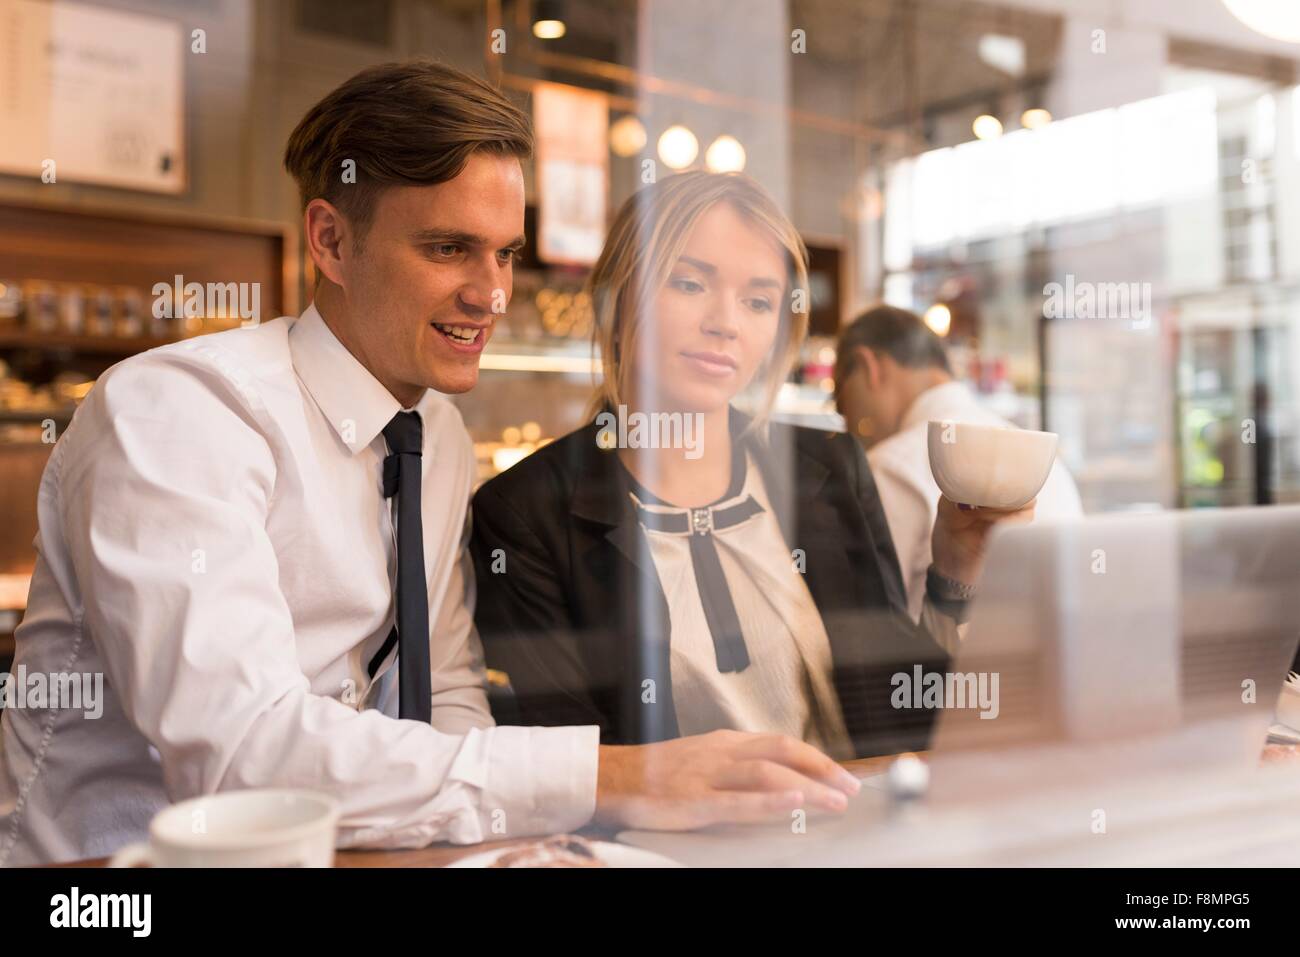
{"x": 892, "y": 376}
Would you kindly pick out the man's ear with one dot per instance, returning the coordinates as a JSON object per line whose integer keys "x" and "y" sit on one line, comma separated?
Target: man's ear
{"x": 328, "y": 234}
{"x": 873, "y": 365}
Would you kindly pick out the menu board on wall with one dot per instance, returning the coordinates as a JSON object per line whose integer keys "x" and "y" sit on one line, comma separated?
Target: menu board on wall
{"x": 91, "y": 95}
{"x": 572, "y": 172}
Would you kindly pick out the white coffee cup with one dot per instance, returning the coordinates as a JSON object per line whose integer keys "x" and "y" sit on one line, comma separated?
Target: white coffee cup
{"x": 255, "y": 828}
{"x": 989, "y": 466}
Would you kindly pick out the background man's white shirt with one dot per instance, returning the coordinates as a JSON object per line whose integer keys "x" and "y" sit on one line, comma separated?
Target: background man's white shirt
{"x": 214, "y": 539}
{"x": 901, "y": 466}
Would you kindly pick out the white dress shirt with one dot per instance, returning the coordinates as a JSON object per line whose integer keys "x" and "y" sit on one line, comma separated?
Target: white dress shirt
{"x": 215, "y": 541}
{"x": 901, "y": 466}
{"x": 787, "y": 688}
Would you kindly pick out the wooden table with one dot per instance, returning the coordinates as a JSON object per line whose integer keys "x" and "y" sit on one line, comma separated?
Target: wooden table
{"x": 440, "y": 855}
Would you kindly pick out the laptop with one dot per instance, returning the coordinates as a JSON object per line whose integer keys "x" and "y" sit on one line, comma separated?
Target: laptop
{"x": 1126, "y": 644}
{"x": 1122, "y": 653}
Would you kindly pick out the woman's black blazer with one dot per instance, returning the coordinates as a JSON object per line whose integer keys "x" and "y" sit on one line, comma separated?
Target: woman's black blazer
{"x": 569, "y": 604}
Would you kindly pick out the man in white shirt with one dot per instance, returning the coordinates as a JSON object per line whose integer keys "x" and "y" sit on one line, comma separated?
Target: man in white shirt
{"x": 892, "y": 376}
{"x": 216, "y": 542}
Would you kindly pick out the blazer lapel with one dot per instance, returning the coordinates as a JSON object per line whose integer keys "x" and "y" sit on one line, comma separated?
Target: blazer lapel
{"x": 824, "y": 527}
{"x": 617, "y": 554}
{"x": 795, "y": 479}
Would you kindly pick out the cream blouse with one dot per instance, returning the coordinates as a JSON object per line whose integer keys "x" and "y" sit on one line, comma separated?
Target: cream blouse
{"x": 787, "y": 687}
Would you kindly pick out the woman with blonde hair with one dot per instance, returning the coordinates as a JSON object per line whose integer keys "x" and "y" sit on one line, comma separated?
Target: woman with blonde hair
{"x": 678, "y": 566}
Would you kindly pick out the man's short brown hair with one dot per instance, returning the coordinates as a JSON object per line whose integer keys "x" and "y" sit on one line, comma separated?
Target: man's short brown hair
{"x": 413, "y": 123}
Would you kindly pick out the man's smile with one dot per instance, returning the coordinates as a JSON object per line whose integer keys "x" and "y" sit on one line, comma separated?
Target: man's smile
{"x": 467, "y": 338}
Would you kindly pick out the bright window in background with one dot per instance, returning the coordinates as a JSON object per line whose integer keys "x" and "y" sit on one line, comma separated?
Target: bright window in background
{"x": 1149, "y": 153}
{"x": 898, "y": 239}
{"x": 1295, "y": 121}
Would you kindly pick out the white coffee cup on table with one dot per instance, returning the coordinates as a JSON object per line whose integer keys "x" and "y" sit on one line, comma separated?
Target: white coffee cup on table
{"x": 254, "y": 828}
{"x": 989, "y": 466}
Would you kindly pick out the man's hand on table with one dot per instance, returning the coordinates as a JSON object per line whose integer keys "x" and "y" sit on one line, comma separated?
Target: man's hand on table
{"x": 722, "y": 777}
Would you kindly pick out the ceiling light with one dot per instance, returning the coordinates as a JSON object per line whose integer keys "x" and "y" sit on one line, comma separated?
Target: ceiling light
{"x": 725, "y": 155}
{"x": 627, "y": 136}
{"x": 548, "y": 20}
{"x": 678, "y": 147}
{"x": 939, "y": 318}
{"x": 986, "y": 127}
{"x": 1035, "y": 119}
{"x": 1279, "y": 19}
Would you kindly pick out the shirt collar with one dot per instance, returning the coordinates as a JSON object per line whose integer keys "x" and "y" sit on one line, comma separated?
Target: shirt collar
{"x": 353, "y": 400}
{"x": 940, "y": 402}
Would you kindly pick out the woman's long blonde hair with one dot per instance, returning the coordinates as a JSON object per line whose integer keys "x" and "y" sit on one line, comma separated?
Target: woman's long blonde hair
{"x": 644, "y": 243}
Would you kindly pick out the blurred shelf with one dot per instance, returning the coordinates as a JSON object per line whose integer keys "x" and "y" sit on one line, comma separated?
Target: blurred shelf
{"x": 35, "y": 417}
{"x": 508, "y": 356}
{"x": 806, "y": 405}
{"x": 563, "y": 356}
{"x": 13, "y": 592}
{"x": 52, "y": 341}
{"x": 798, "y": 399}
{"x": 514, "y": 362}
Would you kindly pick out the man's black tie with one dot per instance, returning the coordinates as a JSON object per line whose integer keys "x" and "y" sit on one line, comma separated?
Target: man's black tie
{"x": 405, "y": 437}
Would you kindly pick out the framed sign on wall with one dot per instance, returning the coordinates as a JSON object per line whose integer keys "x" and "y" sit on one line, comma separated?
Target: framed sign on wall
{"x": 92, "y": 95}
{"x": 572, "y": 128}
